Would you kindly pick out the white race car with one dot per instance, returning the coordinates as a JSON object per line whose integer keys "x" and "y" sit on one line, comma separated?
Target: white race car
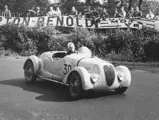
{"x": 80, "y": 71}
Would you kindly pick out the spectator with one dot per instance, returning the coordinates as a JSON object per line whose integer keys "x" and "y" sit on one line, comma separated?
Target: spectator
{"x": 51, "y": 12}
{"x": 38, "y": 12}
{"x": 88, "y": 13}
{"x": 157, "y": 14}
{"x": 6, "y": 11}
{"x": 116, "y": 14}
{"x": 131, "y": 13}
{"x": 105, "y": 14}
{"x": 30, "y": 12}
{"x": 122, "y": 13}
{"x": 95, "y": 14}
{"x": 74, "y": 12}
{"x": 150, "y": 15}
{"x": 137, "y": 13}
{"x": 58, "y": 11}
{"x": 95, "y": 17}
{"x": 80, "y": 15}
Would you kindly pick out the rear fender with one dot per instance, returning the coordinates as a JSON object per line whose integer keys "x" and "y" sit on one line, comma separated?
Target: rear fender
{"x": 85, "y": 77}
{"x": 36, "y": 63}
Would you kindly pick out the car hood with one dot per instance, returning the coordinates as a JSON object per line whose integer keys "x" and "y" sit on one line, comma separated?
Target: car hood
{"x": 92, "y": 61}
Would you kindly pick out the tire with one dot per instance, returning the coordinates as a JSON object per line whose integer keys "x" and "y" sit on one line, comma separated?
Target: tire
{"x": 29, "y": 74}
{"x": 75, "y": 85}
{"x": 121, "y": 90}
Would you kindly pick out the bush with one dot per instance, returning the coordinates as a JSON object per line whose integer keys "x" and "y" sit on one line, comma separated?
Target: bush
{"x": 17, "y": 40}
{"x": 113, "y": 44}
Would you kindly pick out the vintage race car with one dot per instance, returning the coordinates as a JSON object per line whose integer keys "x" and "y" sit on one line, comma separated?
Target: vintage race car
{"x": 80, "y": 71}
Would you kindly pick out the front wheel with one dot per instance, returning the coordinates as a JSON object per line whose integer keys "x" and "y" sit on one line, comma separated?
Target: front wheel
{"x": 29, "y": 74}
{"x": 121, "y": 90}
{"x": 75, "y": 85}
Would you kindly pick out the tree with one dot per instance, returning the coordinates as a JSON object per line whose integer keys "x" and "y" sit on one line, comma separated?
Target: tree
{"x": 140, "y": 3}
{"x": 10, "y": 4}
{"x": 136, "y": 2}
{"x": 23, "y": 5}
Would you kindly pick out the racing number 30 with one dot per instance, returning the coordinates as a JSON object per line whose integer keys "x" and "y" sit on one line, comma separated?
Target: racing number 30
{"x": 67, "y": 68}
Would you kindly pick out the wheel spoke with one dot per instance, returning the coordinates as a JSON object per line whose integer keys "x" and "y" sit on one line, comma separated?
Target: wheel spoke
{"x": 28, "y": 72}
{"x": 76, "y": 90}
{"x": 71, "y": 84}
{"x": 75, "y": 85}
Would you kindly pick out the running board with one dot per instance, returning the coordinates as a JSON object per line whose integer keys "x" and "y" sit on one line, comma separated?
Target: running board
{"x": 52, "y": 80}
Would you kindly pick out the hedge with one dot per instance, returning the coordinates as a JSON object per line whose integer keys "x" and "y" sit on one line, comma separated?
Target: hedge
{"x": 113, "y": 44}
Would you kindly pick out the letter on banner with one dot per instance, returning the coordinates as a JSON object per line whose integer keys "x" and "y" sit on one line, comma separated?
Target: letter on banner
{"x": 89, "y": 23}
{"x": 0, "y": 19}
{"x": 114, "y": 20}
{"x": 69, "y": 21}
{"x": 25, "y": 21}
{"x": 40, "y": 22}
{"x": 7, "y": 19}
{"x": 50, "y": 19}
{"x": 16, "y": 21}
{"x": 77, "y": 22}
{"x": 136, "y": 25}
{"x": 59, "y": 20}
{"x": 123, "y": 20}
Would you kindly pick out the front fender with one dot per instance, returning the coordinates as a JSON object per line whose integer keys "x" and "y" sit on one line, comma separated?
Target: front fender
{"x": 36, "y": 63}
{"x": 126, "y": 74}
{"x": 85, "y": 77}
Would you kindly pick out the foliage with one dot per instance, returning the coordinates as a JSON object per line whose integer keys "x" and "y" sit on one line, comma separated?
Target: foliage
{"x": 152, "y": 5}
{"x": 17, "y": 40}
{"x": 113, "y": 44}
{"x": 66, "y": 5}
{"x": 23, "y": 5}
{"x": 10, "y": 3}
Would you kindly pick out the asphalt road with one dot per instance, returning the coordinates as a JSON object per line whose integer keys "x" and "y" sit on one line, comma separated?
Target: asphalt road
{"x": 49, "y": 101}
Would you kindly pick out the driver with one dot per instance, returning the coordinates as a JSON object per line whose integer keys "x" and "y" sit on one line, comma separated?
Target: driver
{"x": 70, "y": 48}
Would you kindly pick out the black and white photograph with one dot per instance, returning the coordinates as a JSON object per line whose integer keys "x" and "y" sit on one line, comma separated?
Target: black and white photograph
{"x": 79, "y": 60}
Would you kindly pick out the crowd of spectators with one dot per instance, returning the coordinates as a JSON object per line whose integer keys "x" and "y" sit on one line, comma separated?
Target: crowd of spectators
{"x": 96, "y": 13}
{"x": 53, "y": 12}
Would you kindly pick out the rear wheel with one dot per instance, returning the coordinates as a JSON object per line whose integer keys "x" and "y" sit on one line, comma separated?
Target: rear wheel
{"x": 29, "y": 74}
{"x": 121, "y": 90}
{"x": 75, "y": 85}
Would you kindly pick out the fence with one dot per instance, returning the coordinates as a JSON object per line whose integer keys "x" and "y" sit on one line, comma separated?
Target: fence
{"x": 14, "y": 14}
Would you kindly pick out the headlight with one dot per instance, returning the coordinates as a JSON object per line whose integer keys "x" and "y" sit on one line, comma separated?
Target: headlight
{"x": 120, "y": 76}
{"x": 94, "y": 78}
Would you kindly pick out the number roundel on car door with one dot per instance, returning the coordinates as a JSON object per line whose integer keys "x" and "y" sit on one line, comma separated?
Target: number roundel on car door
{"x": 67, "y": 68}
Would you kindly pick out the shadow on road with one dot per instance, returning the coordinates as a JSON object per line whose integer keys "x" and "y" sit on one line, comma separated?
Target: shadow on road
{"x": 51, "y": 91}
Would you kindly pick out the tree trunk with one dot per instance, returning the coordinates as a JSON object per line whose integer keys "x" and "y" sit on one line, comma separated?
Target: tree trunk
{"x": 130, "y": 4}
{"x": 140, "y": 3}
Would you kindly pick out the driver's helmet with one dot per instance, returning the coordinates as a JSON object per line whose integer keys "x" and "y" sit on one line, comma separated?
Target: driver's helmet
{"x": 85, "y": 50}
{"x": 70, "y": 47}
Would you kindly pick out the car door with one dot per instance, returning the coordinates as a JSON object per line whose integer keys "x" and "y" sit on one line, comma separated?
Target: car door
{"x": 57, "y": 68}
{"x": 69, "y": 63}
{"x": 48, "y": 66}
{"x": 63, "y": 66}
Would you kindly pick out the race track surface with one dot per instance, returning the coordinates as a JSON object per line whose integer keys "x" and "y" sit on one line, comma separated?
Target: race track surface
{"x": 49, "y": 101}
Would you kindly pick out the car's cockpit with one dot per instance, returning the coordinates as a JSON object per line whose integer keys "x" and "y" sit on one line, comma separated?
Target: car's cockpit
{"x": 81, "y": 51}
{"x": 59, "y": 55}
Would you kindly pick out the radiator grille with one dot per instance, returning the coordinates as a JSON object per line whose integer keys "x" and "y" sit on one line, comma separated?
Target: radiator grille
{"x": 109, "y": 74}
